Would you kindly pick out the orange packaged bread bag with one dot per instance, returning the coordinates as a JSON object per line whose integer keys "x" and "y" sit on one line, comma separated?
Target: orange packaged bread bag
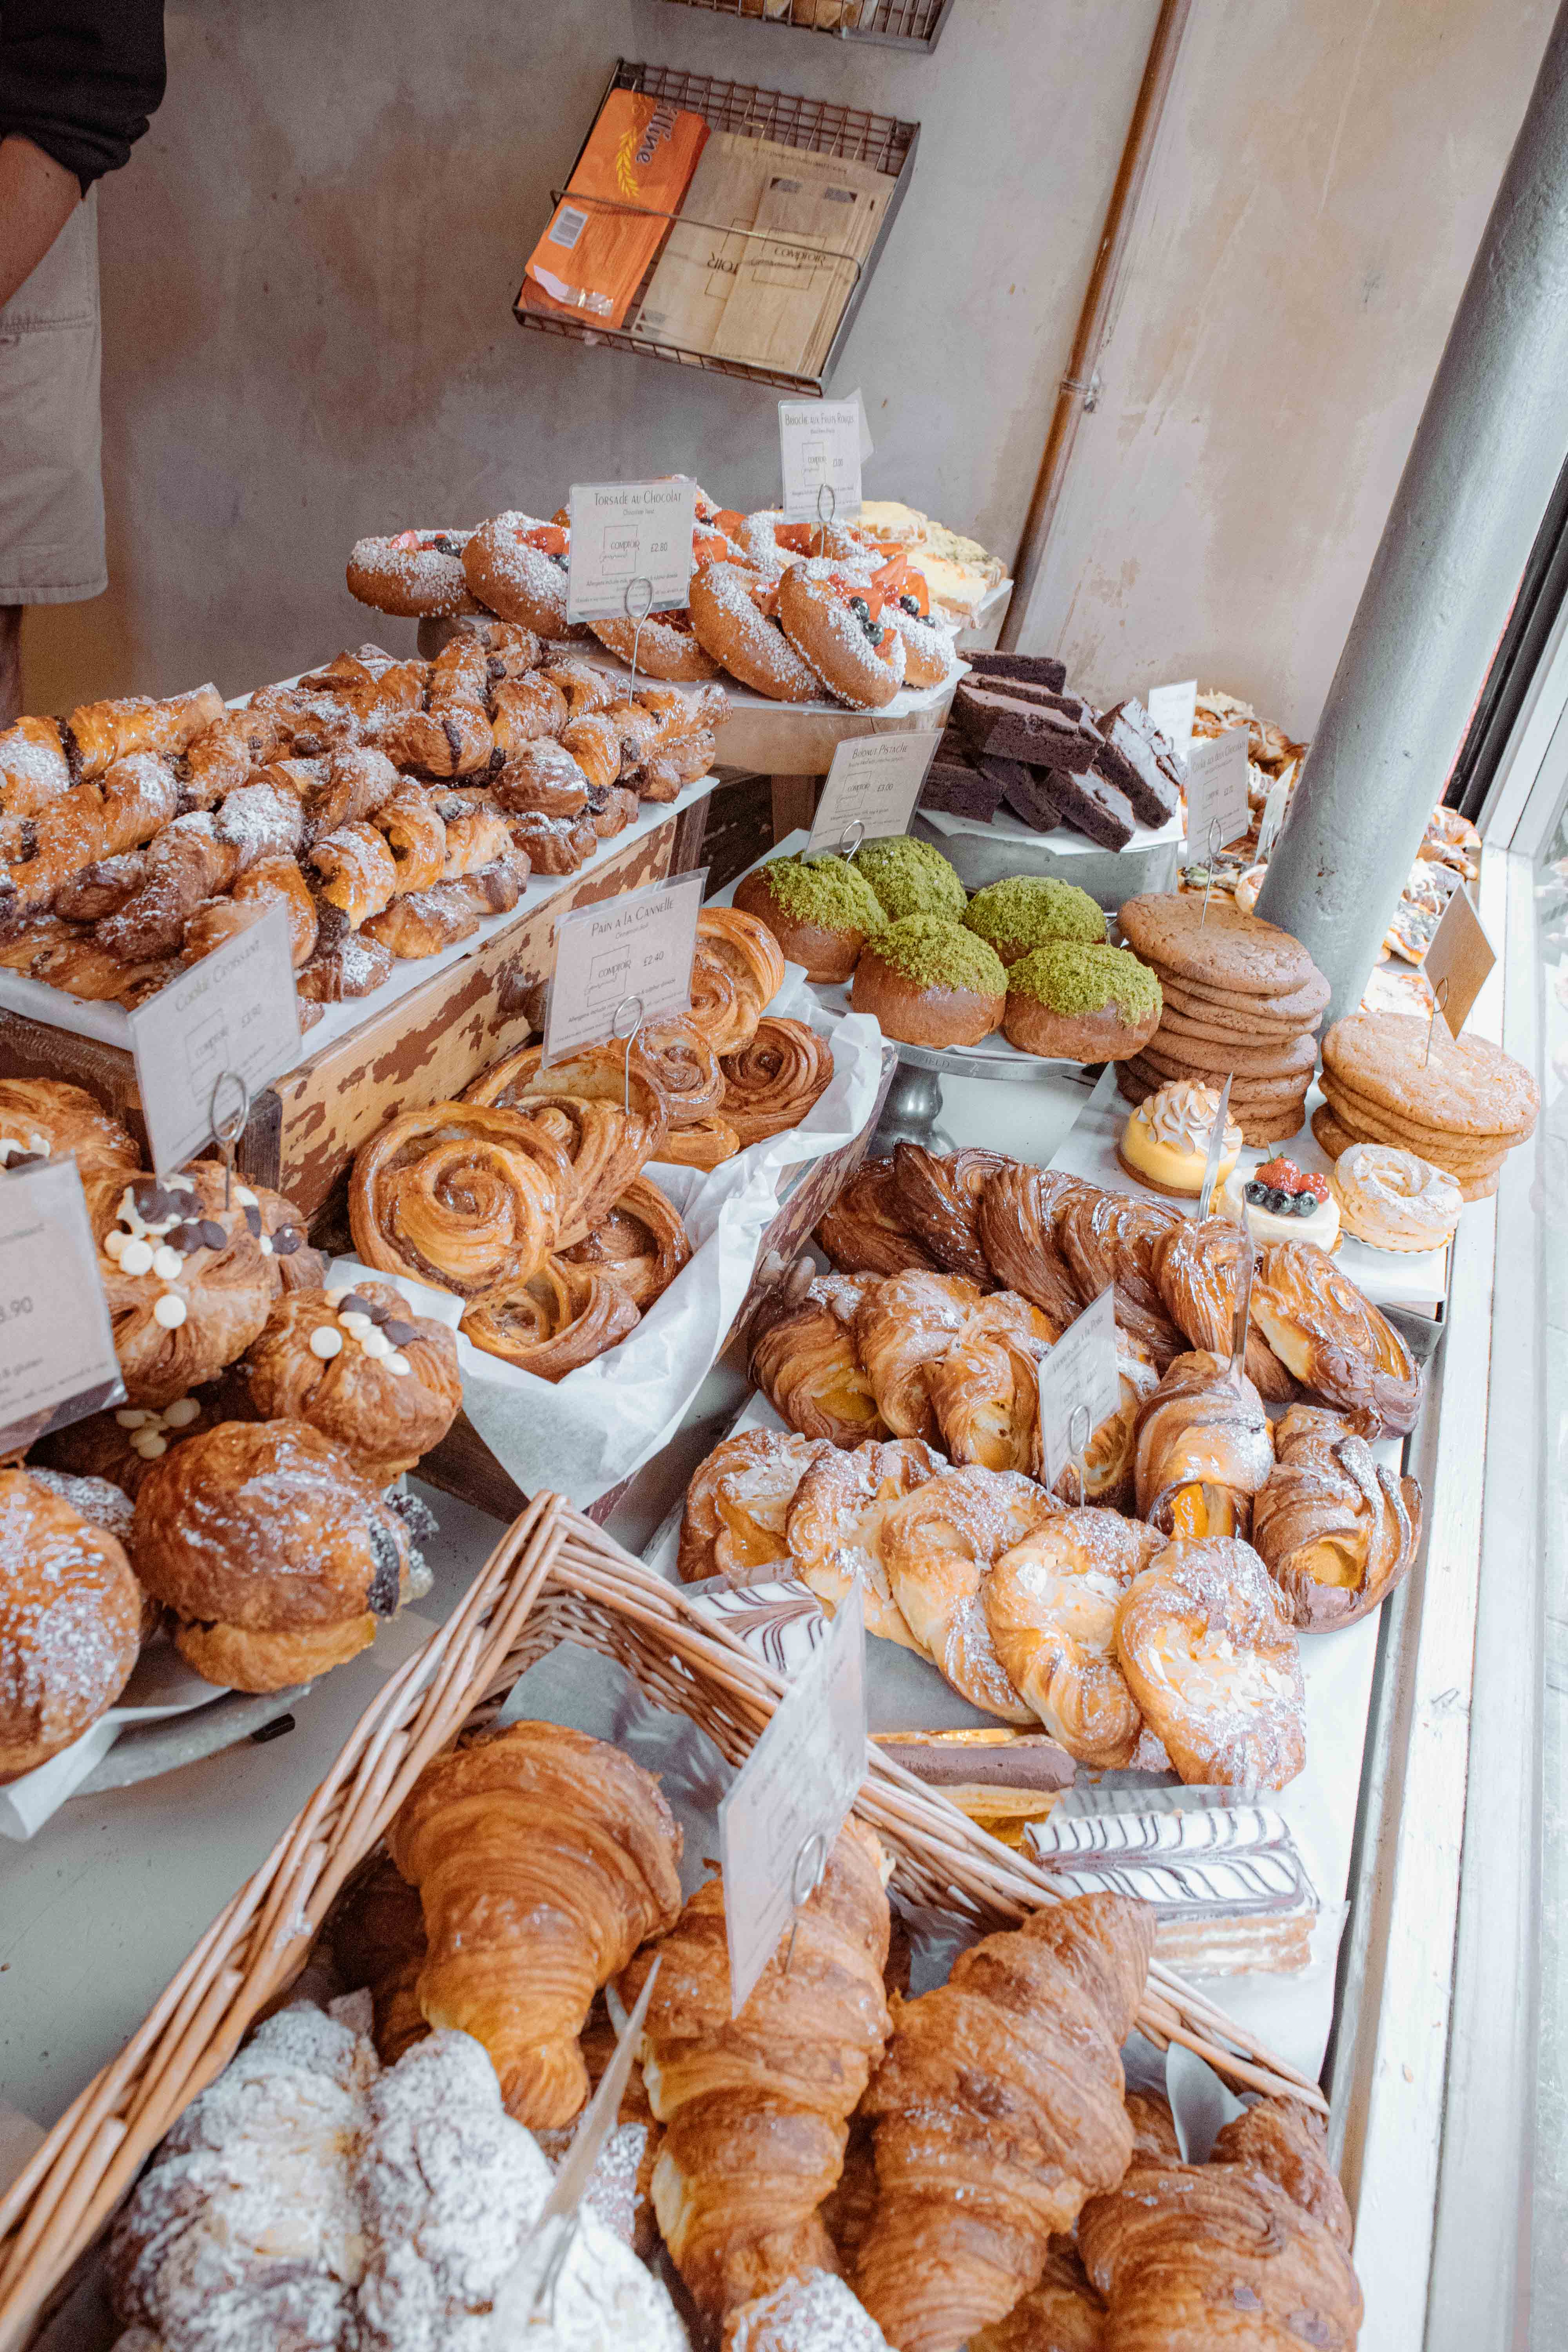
{"x": 615, "y": 214}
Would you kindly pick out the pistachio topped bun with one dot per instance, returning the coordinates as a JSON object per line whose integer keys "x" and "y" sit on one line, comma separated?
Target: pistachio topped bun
{"x": 822, "y": 911}
{"x": 1028, "y": 911}
{"x": 931, "y": 983}
{"x": 1079, "y": 1004}
{"x": 910, "y": 878}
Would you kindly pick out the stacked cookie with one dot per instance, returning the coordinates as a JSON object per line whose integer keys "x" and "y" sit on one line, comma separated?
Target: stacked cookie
{"x": 1462, "y": 1105}
{"x": 1242, "y": 1000}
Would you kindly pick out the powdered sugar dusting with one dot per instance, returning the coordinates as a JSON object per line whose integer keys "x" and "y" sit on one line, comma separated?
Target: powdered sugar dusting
{"x": 817, "y": 2314}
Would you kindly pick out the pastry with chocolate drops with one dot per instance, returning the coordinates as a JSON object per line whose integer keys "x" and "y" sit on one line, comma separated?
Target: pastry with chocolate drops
{"x": 186, "y": 1280}
{"x": 362, "y": 1369}
{"x": 43, "y": 1118}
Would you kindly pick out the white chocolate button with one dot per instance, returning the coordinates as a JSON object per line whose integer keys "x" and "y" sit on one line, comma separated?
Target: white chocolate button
{"x": 399, "y": 1363}
{"x": 170, "y": 1311}
{"x": 136, "y": 1257}
{"x": 245, "y": 1196}
{"x": 376, "y": 1344}
{"x": 167, "y": 1264}
{"x": 133, "y": 1416}
{"x": 181, "y": 1413}
{"x": 326, "y": 1342}
{"x": 336, "y": 1298}
{"x": 355, "y": 1322}
{"x": 266, "y": 1244}
{"x": 114, "y": 1242}
{"x": 149, "y": 1444}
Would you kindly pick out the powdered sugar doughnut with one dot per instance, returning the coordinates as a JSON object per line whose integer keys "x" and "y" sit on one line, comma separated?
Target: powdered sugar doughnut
{"x": 734, "y": 612}
{"x": 927, "y": 647}
{"x": 667, "y": 648}
{"x": 833, "y": 617}
{"x": 418, "y": 575}
{"x": 772, "y": 545}
{"x": 517, "y": 566}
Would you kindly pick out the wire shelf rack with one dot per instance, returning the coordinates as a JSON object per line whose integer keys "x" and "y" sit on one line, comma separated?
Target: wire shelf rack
{"x": 890, "y": 24}
{"x": 878, "y": 141}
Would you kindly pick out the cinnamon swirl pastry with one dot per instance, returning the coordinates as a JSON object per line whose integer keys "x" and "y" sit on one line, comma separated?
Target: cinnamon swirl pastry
{"x": 903, "y": 1330}
{"x": 185, "y": 1281}
{"x": 1333, "y": 1341}
{"x": 640, "y": 1247}
{"x": 455, "y": 1196}
{"x": 772, "y": 1082}
{"x": 1195, "y": 1267}
{"x": 362, "y": 1369}
{"x": 835, "y": 1522}
{"x": 1111, "y": 1237}
{"x": 864, "y": 1232}
{"x": 1050, "y": 1604}
{"x": 940, "y": 1546}
{"x": 1335, "y": 1529}
{"x": 560, "y": 1317}
{"x": 706, "y": 1143}
{"x": 938, "y": 1196}
{"x": 44, "y": 1119}
{"x": 721, "y": 1007}
{"x": 804, "y": 1359}
{"x": 738, "y": 1504}
{"x": 1204, "y": 1448}
{"x": 747, "y": 950}
{"x": 677, "y": 1058}
{"x": 1016, "y": 1227}
{"x": 1210, "y": 1658}
{"x": 986, "y": 1388}
{"x": 579, "y": 1101}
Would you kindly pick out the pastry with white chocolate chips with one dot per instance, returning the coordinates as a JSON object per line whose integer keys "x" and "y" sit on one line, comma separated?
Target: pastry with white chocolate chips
{"x": 363, "y": 1369}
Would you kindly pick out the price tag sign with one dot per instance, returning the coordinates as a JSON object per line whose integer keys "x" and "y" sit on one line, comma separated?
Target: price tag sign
{"x": 874, "y": 783}
{"x": 1218, "y": 809}
{"x": 630, "y": 553}
{"x": 1171, "y": 708}
{"x": 1080, "y": 1371}
{"x": 636, "y": 947}
{"x": 777, "y": 1825}
{"x": 1458, "y": 960}
{"x": 234, "y": 1013}
{"x": 56, "y": 1350}
{"x": 1271, "y": 824}
{"x": 819, "y": 457}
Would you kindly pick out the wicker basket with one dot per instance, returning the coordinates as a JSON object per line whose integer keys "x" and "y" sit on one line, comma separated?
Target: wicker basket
{"x": 554, "y": 1577}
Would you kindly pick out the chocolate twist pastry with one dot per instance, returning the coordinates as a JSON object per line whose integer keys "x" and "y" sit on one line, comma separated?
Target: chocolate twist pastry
{"x": 1209, "y": 1656}
{"x": 1333, "y": 1341}
{"x": 938, "y": 1196}
{"x": 677, "y": 1056}
{"x": 864, "y": 1232}
{"x": 358, "y": 871}
{"x": 359, "y": 783}
{"x": 640, "y": 1247}
{"x": 186, "y": 864}
{"x": 453, "y": 739}
{"x": 1196, "y": 1269}
{"x": 594, "y": 744}
{"x": 1111, "y": 1237}
{"x": 459, "y": 673}
{"x": 1336, "y": 1531}
{"x": 274, "y": 879}
{"x": 561, "y": 1316}
{"x": 772, "y": 1082}
{"x": 805, "y": 1360}
{"x": 1016, "y": 1227}
{"x": 187, "y": 1286}
{"x": 363, "y": 1369}
{"x": 540, "y": 778}
{"x": 455, "y": 1196}
{"x": 903, "y": 1330}
{"x": 416, "y": 835}
{"x": 423, "y": 922}
{"x": 677, "y": 764}
{"x": 527, "y": 710}
{"x": 1204, "y": 1448}
{"x": 477, "y": 833}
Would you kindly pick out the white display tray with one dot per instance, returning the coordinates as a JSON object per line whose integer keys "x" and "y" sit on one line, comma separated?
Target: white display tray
{"x": 1061, "y": 840}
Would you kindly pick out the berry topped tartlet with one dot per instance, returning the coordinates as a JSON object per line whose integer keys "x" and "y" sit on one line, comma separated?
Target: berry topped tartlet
{"x": 1280, "y": 1204}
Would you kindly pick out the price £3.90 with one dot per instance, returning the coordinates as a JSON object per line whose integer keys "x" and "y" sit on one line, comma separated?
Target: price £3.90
{"x": 10, "y": 1308}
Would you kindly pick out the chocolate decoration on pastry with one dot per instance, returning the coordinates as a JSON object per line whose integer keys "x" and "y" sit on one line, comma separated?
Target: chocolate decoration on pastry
{"x": 185, "y": 1280}
{"x": 383, "y": 1387}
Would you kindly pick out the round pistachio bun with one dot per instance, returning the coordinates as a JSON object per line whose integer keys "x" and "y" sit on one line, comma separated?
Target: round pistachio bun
{"x": 1027, "y": 911}
{"x": 931, "y": 983}
{"x": 1074, "y": 1002}
{"x": 910, "y": 878}
{"x": 821, "y": 910}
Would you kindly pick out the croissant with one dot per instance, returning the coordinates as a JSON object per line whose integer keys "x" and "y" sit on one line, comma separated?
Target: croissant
{"x": 1195, "y": 1267}
{"x": 677, "y": 764}
{"x": 543, "y": 1859}
{"x": 863, "y": 1233}
{"x": 1108, "y": 1458}
{"x": 834, "y": 1523}
{"x": 1050, "y": 1604}
{"x": 454, "y": 740}
{"x": 101, "y": 888}
{"x": 261, "y": 821}
{"x": 939, "y": 1547}
{"x": 1111, "y": 1237}
{"x": 985, "y": 1390}
{"x": 456, "y": 1196}
{"x": 1260, "y": 2233}
{"x": 772, "y": 1082}
{"x": 939, "y": 1198}
{"x": 359, "y": 783}
{"x": 134, "y": 800}
{"x": 459, "y": 673}
{"x": 1017, "y": 1226}
{"x": 805, "y": 1362}
{"x": 756, "y": 2107}
{"x": 525, "y": 709}
{"x": 1334, "y": 1341}
{"x": 104, "y": 732}
{"x": 1006, "y": 2082}
{"x": 902, "y": 1331}
{"x": 34, "y": 768}
{"x": 1203, "y": 1447}
{"x": 477, "y": 833}
{"x": 187, "y": 862}
{"x": 423, "y": 922}
{"x": 1335, "y": 1529}
{"x": 818, "y": 2310}
{"x": 1211, "y": 1660}
{"x": 594, "y": 745}
{"x": 739, "y": 1502}
{"x": 358, "y": 871}
{"x": 560, "y": 1317}
{"x": 218, "y": 918}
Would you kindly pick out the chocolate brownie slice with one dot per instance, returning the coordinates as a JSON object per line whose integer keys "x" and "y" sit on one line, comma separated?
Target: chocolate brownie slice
{"x": 1039, "y": 669}
{"x": 961, "y": 789}
{"x": 1006, "y": 728}
{"x": 1094, "y": 806}
{"x": 1128, "y": 759}
{"x": 1027, "y": 793}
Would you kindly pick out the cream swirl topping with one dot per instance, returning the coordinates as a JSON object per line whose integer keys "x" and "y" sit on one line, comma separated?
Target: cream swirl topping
{"x": 1182, "y": 1116}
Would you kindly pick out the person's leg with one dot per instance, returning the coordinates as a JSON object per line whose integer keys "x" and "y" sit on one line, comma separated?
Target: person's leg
{"x": 10, "y": 663}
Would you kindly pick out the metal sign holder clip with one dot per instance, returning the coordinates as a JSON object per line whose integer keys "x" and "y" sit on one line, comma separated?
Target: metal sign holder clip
{"x": 227, "y": 1127}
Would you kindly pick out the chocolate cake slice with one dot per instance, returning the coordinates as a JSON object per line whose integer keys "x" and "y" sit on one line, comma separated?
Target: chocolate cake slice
{"x": 1128, "y": 759}
{"x": 1091, "y": 804}
{"x": 1001, "y": 726}
{"x": 1038, "y": 669}
{"x": 1027, "y": 793}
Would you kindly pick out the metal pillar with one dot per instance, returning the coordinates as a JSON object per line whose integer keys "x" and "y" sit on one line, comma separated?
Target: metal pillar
{"x": 1480, "y": 471}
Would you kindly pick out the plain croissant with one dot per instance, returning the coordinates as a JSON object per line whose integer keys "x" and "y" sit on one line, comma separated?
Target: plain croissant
{"x": 543, "y": 1859}
{"x": 999, "y": 2109}
{"x": 756, "y": 2107}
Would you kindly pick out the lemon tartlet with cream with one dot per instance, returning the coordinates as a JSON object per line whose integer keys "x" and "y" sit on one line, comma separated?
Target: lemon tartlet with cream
{"x": 1165, "y": 1143}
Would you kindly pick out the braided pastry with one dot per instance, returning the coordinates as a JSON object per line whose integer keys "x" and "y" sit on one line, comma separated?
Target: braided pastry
{"x": 525, "y": 709}
{"x": 1016, "y": 1227}
{"x": 359, "y": 873}
{"x": 985, "y": 1390}
{"x": 358, "y": 783}
{"x": 1204, "y": 1448}
{"x": 104, "y": 732}
{"x": 1195, "y": 1267}
{"x": 640, "y": 1247}
{"x": 561, "y": 1316}
{"x": 1209, "y": 1656}
{"x": 586, "y": 686}
{"x": 453, "y": 739}
{"x": 904, "y": 1329}
{"x": 379, "y": 1381}
{"x": 739, "y": 1502}
{"x": 864, "y": 1232}
{"x": 593, "y": 745}
{"x": 772, "y": 1082}
{"x": 1111, "y": 1237}
{"x": 1333, "y": 1341}
{"x": 1335, "y": 1529}
{"x": 415, "y": 837}
{"x": 805, "y": 1362}
{"x": 454, "y": 1196}
{"x": 1007, "y": 2080}
{"x": 459, "y": 673}
{"x": 747, "y": 950}
{"x": 938, "y": 1196}
{"x": 836, "y": 1520}
{"x": 543, "y": 1859}
{"x": 939, "y": 1547}
{"x": 187, "y": 1286}
{"x": 1050, "y": 1604}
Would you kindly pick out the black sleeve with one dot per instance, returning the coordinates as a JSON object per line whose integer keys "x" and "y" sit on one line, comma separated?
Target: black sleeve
{"x": 82, "y": 79}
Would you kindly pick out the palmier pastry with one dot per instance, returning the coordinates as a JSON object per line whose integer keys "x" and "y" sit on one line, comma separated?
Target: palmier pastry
{"x": 723, "y": 1008}
{"x": 516, "y": 565}
{"x": 43, "y": 1118}
{"x": 1111, "y": 1237}
{"x": 1208, "y": 1653}
{"x": 864, "y": 1232}
{"x": 1195, "y": 1266}
{"x": 1204, "y": 1448}
{"x": 903, "y": 1330}
{"x": 70, "y": 1620}
{"x": 555, "y": 845}
{"x": 938, "y": 1196}
{"x": 275, "y": 1557}
{"x": 541, "y": 778}
{"x": 805, "y": 1362}
{"x": 1050, "y": 1604}
{"x": 1336, "y": 1531}
{"x": 747, "y": 950}
{"x": 835, "y": 1521}
{"x": 363, "y": 1369}
{"x": 679, "y": 1058}
{"x": 1015, "y": 1226}
{"x": 772, "y": 1082}
{"x": 938, "y": 1546}
{"x": 560, "y": 1317}
{"x": 737, "y": 1504}
{"x": 986, "y": 1388}
{"x": 640, "y": 1247}
{"x": 187, "y": 1286}
{"x": 1333, "y": 1341}
{"x": 455, "y": 1196}
{"x": 122, "y": 1444}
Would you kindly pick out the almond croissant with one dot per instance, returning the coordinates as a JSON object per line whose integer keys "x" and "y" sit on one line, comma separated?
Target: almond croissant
{"x": 999, "y": 2109}
{"x": 543, "y": 1859}
{"x": 757, "y": 2107}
